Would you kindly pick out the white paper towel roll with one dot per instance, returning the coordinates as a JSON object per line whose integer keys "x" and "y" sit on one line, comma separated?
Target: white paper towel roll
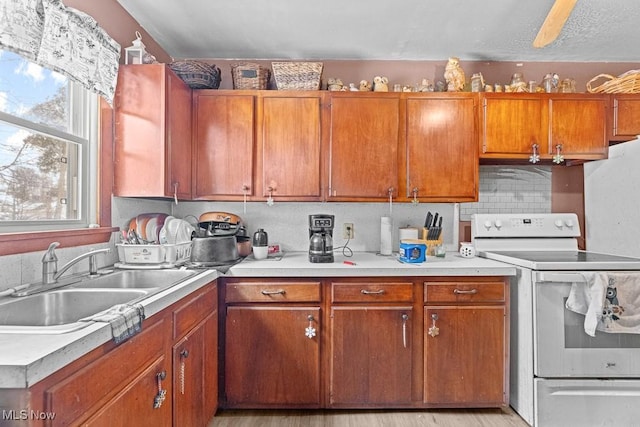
{"x": 407, "y": 233}
{"x": 385, "y": 235}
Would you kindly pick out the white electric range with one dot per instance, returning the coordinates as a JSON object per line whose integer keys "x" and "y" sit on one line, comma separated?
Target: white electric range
{"x": 559, "y": 375}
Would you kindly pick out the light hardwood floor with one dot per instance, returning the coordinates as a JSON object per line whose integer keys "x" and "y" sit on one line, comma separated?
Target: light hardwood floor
{"x": 369, "y": 418}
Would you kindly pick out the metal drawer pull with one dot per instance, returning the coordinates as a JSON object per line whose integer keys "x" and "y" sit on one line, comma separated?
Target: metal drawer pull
{"x": 405, "y": 317}
{"x": 366, "y": 292}
{"x": 433, "y": 329}
{"x": 310, "y": 331}
{"x": 461, "y": 291}
{"x": 183, "y": 355}
{"x": 162, "y": 393}
{"x": 278, "y": 292}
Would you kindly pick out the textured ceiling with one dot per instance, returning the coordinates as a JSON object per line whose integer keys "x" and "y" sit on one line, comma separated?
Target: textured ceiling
{"x": 490, "y": 30}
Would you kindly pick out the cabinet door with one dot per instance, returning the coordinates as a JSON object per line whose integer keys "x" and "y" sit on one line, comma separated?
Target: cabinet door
{"x": 134, "y": 405}
{"x": 625, "y": 117}
{"x": 152, "y": 140}
{"x": 370, "y": 356}
{"x": 364, "y": 146}
{"x": 223, "y": 145}
{"x": 178, "y": 129}
{"x": 289, "y": 147}
{"x": 579, "y": 125}
{"x": 511, "y": 124}
{"x": 465, "y": 362}
{"x": 442, "y": 149}
{"x": 269, "y": 359}
{"x": 190, "y": 388}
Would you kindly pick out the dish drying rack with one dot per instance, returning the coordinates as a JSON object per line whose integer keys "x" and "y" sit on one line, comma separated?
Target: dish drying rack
{"x": 143, "y": 256}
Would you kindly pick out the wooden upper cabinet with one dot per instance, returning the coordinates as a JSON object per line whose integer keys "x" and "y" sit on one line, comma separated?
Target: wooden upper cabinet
{"x": 289, "y": 146}
{"x": 578, "y": 123}
{"x": 223, "y": 145}
{"x": 441, "y": 162}
{"x": 511, "y": 124}
{"x": 624, "y": 118}
{"x": 363, "y": 153}
{"x": 514, "y": 125}
{"x": 152, "y": 150}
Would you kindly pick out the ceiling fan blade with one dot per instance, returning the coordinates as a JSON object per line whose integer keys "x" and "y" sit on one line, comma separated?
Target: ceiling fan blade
{"x": 554, "y": 22}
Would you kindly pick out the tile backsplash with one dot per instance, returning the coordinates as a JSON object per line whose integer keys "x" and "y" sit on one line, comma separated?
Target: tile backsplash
{"x": 503, "y": 189}
{"x": 507, "y": 189}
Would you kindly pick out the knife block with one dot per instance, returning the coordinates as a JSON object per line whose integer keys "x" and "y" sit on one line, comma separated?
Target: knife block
{"x": 431, "y": 244}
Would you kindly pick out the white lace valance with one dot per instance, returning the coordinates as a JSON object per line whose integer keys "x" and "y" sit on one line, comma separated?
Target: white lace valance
{"x": 62, "y": 39}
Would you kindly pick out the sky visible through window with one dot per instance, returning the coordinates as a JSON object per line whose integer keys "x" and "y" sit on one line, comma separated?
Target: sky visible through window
{"x": 33, "y": 165}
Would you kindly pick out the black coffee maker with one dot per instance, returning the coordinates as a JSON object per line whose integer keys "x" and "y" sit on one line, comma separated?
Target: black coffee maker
{"x": 321, "y": 238}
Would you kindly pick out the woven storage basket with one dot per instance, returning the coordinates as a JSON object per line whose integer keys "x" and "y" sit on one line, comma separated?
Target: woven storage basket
{"x": 250, "y": 76}
{"x": 297, "y": 75}
{"x": 196, "y": 74}
{"x": 628, "y": 82}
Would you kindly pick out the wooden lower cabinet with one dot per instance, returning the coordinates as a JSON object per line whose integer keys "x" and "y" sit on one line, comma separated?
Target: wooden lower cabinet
{"x": 371, "y": 356}
{"x": 371, "y": 349}
{"x": 194, "y": 378}
{"x": 132, "y": 404}
{"x": 116, "y": 385}
{"x": 466, "y": 344}
{"x": 272, "y": 343}
{"x": 270, "y": 359}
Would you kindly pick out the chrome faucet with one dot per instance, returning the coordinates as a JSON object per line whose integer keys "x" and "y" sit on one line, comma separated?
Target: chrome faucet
{"x": 51, "y": 274}
{"x": 50, "y": 258}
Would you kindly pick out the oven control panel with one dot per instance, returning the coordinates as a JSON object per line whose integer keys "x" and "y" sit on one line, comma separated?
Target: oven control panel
{"x": 525, "y": 225}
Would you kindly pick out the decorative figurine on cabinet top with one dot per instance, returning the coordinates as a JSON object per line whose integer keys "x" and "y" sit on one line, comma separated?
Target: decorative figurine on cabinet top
{"x": 424, "y": 86}
{"x": 365, "y": 86}
{"x": 454, "y": 75}
{"x": 380, "y": 84}
{"x": 334, "y": 84}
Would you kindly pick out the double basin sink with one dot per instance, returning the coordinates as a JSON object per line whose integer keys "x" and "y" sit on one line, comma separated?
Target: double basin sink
{"x": 61, "y": 310}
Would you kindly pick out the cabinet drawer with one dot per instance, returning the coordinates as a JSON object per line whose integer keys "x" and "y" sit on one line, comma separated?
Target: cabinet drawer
{"x": 457, "y": 292}
{"x": 272, "y": 292}
{"x": 194, "y": 311}
{"x": 372, "y": 292}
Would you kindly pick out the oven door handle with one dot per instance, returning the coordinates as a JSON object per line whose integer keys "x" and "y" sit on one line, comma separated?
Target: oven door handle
{"x": 546, "y": 276}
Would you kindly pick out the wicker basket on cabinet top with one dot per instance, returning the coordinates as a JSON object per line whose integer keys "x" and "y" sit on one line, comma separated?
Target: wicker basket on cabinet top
{"x": 628, "y": 82}
{"x": 247, "y": 75}
{"x": 297, "y": 75}
{"x": 197, "y": 74}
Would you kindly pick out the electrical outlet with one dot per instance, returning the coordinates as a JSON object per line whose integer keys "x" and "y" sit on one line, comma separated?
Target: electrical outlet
{"x": 347, "y": 230}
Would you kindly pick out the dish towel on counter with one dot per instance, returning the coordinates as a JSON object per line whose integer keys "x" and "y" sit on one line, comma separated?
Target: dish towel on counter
{"x": 610, "y": 302}
{"x": 125, "y": 320}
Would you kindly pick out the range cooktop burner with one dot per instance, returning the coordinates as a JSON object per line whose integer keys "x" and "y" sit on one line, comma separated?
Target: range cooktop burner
{"x": 565, "y": 260}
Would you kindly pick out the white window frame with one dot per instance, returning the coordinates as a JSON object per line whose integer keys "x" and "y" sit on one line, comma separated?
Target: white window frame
{"x": 84, "y": 118}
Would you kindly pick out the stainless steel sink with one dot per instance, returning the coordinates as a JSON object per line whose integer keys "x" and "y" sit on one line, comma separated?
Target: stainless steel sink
{"x": 137, "y": 279}
{"x": 63, "y": 306}
{"x": 59, "y": 310}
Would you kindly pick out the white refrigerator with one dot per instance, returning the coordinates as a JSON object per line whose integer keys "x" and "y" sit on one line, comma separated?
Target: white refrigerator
{"x": 612, "y": 201}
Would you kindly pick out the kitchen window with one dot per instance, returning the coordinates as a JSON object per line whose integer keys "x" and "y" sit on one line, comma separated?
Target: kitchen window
{"x": 49, "y": 130}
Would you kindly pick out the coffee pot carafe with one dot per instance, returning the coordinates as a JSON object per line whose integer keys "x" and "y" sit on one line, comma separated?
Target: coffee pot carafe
{"x": 321, "y": 238}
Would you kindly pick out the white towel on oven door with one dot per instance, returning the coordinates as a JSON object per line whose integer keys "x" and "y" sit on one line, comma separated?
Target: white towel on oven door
{"x": 609, "y": 301}
{"x": 621, "y": 311}
{"x": 588, "y": 298}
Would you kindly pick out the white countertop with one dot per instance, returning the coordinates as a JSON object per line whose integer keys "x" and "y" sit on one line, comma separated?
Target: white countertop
{"x": 27, "y": 358}
{"x": 296, "y": 264}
